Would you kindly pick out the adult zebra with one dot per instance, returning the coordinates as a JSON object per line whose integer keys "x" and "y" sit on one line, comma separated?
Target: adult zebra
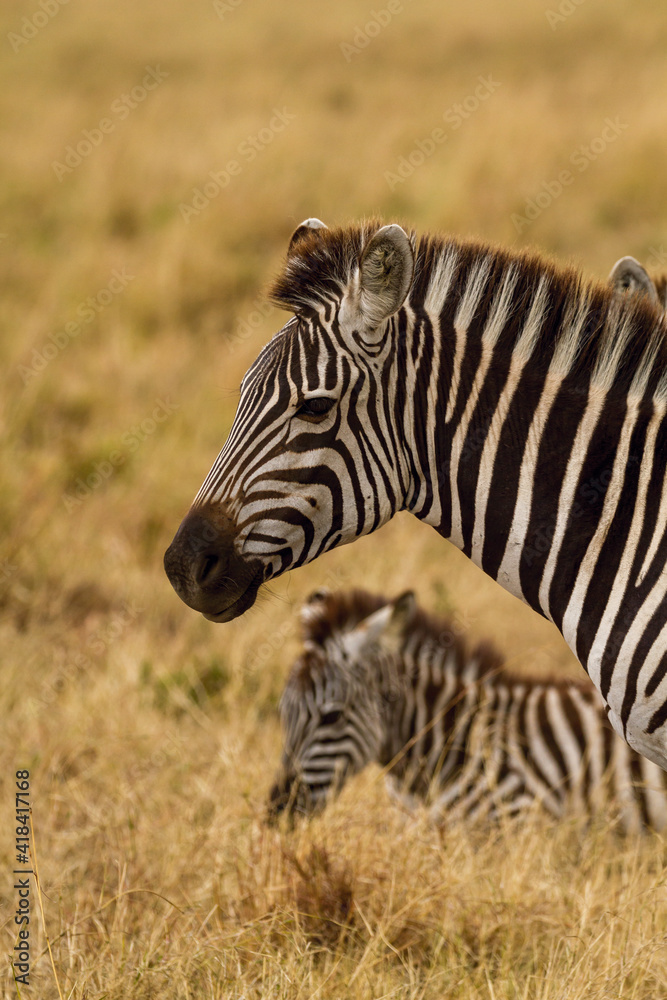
{"x": 383, "y": 682}
{"x": 515, "y": 408}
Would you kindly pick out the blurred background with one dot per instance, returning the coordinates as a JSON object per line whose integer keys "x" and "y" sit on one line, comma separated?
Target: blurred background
{"x": 155, "y": 159}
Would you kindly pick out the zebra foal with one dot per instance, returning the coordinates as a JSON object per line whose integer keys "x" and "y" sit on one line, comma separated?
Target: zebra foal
{"x": 514, "y": 407}
{"x": 382, "y": 682}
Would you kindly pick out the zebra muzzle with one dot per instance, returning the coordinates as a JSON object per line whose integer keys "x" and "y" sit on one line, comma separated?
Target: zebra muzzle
{"x": 290, "y": 797}
{"x": 205, "y": 569}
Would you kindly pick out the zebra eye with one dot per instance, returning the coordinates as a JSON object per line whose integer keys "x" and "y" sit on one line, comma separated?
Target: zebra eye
{"x": 315, "y": 408}
{"x": 331, "y": 718}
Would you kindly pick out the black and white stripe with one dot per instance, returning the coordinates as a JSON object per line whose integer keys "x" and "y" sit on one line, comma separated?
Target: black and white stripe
{"x": 382, "y": 683}
{"x": 514, "y": 407}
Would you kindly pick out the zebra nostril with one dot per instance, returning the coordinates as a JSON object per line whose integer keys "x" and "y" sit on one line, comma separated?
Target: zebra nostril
{"x": 205, "y": 568}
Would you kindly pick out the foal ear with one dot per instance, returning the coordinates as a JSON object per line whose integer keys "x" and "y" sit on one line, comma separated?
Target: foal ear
{"x": 628, "y": 275}
{"x": 385, "y": 274}
{"x": 404, "y": 608}
{"x": 313, "y": 610}
{"x": 392, "y": 636}
{"x": 306, "y": 227}
{"x": 318, "y": 596}
{"x": 385, "y": 627}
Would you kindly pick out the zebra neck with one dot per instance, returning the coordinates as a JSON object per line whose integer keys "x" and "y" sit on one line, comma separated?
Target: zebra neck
{"x": 427, "y": 703}
{"x": 531, "y": 403}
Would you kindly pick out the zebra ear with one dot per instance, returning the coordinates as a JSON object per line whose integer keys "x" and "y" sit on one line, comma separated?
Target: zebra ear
{"x": 385, "y": 274}
{"x": 313, "y": 609}
{"x": 306, "y": 227}
{"x": 628, "y": 275}
{"x": 317, "y": 596}
{"x": 403, "y": 608}
{"x": 385, "y": 627}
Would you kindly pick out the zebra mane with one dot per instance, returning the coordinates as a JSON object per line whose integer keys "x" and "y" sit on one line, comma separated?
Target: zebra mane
{"x": 660, "y": 282}
{"x": 320, "y": 266}
{"x": 614, "y": 342}
{"x": 329, "y": 614}
{"x": 326, "y": 615}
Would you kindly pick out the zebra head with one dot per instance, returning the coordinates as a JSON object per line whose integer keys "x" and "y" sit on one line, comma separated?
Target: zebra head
{"x": 333, "y": 709}
{"x": 313, "y": 459}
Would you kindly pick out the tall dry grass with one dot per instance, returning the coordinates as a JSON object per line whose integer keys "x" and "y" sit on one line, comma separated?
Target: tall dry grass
{"x": 150, "y": 734}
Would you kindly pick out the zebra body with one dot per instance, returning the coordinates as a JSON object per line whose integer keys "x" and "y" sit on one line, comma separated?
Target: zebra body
{"x": 383, "y": 683}
{"x": 515, "y": 408}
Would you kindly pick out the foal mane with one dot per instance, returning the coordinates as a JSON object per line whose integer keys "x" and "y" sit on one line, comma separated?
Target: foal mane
{"x": 325, "y": 615}
{"x": 328, "y": 614}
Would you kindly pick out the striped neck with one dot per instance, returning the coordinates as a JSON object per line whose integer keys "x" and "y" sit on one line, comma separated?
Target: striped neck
{"x": 525, "y": 386}
{"x": 429, "y": 690}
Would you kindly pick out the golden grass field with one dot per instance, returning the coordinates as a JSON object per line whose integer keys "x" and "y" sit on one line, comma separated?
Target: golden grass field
{"x": 150, "y": 734}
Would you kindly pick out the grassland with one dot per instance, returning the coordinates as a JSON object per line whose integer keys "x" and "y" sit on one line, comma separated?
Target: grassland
{"x": 126, "y": 323}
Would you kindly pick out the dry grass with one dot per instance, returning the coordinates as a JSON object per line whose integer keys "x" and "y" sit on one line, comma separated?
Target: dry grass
{"x": 150, "y": 734}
